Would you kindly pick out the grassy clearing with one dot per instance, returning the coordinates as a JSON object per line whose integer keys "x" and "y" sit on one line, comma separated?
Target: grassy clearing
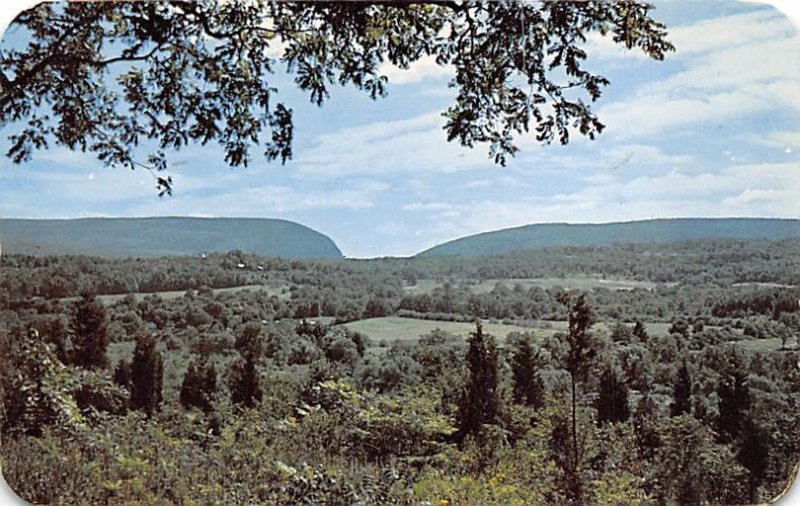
{"x": 768, "y": 344}
{"x": 757, "y": 284}
{"x": 394, "y": 328}
{"x": 658, "y": 329}
{"x": 569, "y": 283}
{"x": 422, "y": 286}
{"x": 175, "y": 364}
{"x": 280, "y": 291}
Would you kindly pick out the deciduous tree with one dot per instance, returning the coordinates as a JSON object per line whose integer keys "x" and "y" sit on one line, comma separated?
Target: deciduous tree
{"x": 106, "y": 77}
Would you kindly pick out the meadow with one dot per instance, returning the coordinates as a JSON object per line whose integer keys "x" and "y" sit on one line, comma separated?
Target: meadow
{"x": 398, "y": 381}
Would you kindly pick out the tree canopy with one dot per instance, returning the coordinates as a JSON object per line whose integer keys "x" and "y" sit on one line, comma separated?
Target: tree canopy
{"x": 105, "y": 77}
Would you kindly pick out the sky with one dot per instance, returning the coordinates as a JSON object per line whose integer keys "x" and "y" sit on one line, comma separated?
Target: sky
{"x": 710, "y": 132}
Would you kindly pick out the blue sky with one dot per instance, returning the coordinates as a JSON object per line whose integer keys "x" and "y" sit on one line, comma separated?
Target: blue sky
{"x": 712, "y": 131}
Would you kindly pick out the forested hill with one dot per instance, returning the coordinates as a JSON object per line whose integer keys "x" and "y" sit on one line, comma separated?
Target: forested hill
{"x": 648, "y": 231}
{"x": 152, "y": 237}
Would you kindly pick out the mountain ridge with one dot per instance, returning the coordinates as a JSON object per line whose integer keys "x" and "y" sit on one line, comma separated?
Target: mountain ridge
{"x": 543, "y": 235}
{"x": 164, "y": 236}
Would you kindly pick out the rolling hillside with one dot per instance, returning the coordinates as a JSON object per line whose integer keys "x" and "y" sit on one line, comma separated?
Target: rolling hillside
{"x": 152, "y": 237}
{"x": 649, "y": 231}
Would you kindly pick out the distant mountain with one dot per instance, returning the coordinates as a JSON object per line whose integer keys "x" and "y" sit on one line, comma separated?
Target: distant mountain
{"x": 648, "y": 231}
{"x": 152, "y": 237}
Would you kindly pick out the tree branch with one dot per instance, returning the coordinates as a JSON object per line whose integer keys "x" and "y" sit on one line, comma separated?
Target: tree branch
{"x": 121, "y": 58}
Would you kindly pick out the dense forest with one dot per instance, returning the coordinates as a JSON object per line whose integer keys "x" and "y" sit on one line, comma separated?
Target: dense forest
{"x": 637, "y": 374}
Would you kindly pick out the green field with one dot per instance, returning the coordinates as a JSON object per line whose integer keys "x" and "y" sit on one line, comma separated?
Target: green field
{"x": 175, "y": 363}
{"x": 394, "y": 328}
{"x": 569, "y": 283}
{"x": 280, "y": 291}
{"x": 768, "y": 344}
{"x": 423, "y": 286}
{"x": 573, "y": 282}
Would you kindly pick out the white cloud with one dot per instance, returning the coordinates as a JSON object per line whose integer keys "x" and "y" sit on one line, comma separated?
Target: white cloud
{"x": 701, "y": 37}
{"x": 738, "y": 190}
{"x": 420, "y": 70}
{"x": 779, "y": 139}
{"x": 124, "y": 192}
{"x": 502, "y": 181}
{"x": 429, "y": 206}
{"x": 730, "y": 31}
{"x": 271, "y": 199}
{"x": 478, "y": 183}
{"x": 733, "y": 67}
{"x": 411, "y": 145}
{"x": 730, "y": 68}
{"x": 651, "y": 114}
{"x": 761, "y": 195}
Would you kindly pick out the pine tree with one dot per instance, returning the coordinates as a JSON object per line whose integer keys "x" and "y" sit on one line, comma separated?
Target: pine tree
{"x": 243, "y": 381}
{"x": 645, "y": 423}
{"x": 734, "y": 399}
{"x": 581, "y": 351}
{"x": 190, "y": 387}
{"x": 527, "y": 384}
{"x": 199, "y": 386}
{"x": 753, "y": 455}
{"x": 147, "y": 372}
{"x": 249, "y": 343}
{"x": 122, "y": 374}
{"x": 480, "y": 401}
{"x": 640, "y": 331}
{"x": 612, "y": 401}
{"x": 209, "y": 383}
{"x": 681, "y": 392}
{"x": 90, "y": 328}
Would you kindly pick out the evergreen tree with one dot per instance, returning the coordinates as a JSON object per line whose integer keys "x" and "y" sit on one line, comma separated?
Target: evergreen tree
{"x": 645, "y": 422}
{"x": 640, "y": 331}
{"x": 90, "y": 328}
{"x": 621, "y": 333}
{"x": 681, "y": 392}
{"x": 753, "y": 455}
{"x": 122, "y": 374}
{"x": 680, "y": 327}
{"x": 527, "y": 383}
{"x": 190, "y": 387}
{"x": 736, "y": 424}
{"x": 56, "y": 333}
{"x": 249, "y": 343}
{"x": 243, "y": 381}
{"x": 199, "y": 386}
{"x": 581, "y": 350}
{"x": 147, "y": 372}
{"x": 158, "y": 393}
{"x": 480, "y": 401}
{"x": 209, "y": 383}
{"x": 612, "y": 400}
{"x": 734, "y": 399}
